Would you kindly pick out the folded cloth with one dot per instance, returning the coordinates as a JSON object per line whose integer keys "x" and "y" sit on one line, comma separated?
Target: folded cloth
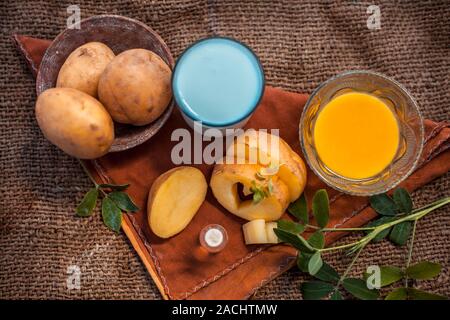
{"x": 179, "y": 267}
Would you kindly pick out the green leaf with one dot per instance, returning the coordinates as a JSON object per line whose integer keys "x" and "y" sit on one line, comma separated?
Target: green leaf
{"x": 123, "y": 201}
{"x": 401, "y": 232}
{"x": 403, "y": 200}
{"x": 290, "y": 226}
{"x": 321, "y": 207}
{"x": 258, "y": 196}
{"x": 299, "y": 209}
{"x": 383, "y": 204}
{"x": 303, "y": 260}
{"x": 423, "y": 270}
{"x": 358, "y": 288}
{"x": 115, "y": 187}
{"x": 87, "y": 205}
{"x": 317, "y": 239}
{"x": 295, "y": 240}
{"x": 336, "y": 295}
{"x": 388, "y": 274}
{"x": 383, "y": 234}
{"x": 258, "y": 192}
{"x": 397, "y": 294}
{"x": 415, "y": 294}
{"x": 327, "y": 273}
{"x": 112, "y": 215}
{"x": 315, "y": 263}
{"x": 315, "y": 290}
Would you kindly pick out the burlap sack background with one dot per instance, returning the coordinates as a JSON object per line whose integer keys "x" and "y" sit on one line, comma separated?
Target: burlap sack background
{"x": 300, "y": 45}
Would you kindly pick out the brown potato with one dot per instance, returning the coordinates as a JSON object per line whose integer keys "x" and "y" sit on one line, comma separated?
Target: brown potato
{"x": 83, "y": 67}
{"x": 174, "y": 199}
{"x": 75, "y": 122}
{"x": 135, "y": 87}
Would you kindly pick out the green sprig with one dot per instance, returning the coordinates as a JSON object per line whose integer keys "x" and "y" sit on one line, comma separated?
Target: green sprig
{"x": 114, "y": 201}
{"x": 398, "y": 221}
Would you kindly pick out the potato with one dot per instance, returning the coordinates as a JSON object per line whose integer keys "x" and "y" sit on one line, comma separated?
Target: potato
{"x": 291, "y": 168}
{"x": 259, "y": 232}
{"x": 135, "y": 87}
{"x": 255, "y": 232}
{"x": 224, "y": 181}
{"x": 271, "y": 236}
{"x": 75, "y": 122}
{"x": 83, "y": 67}
{"x": 174, "y": 199}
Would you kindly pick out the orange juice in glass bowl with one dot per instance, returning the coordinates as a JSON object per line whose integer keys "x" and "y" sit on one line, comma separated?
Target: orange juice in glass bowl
{"x": 361, "y": 133}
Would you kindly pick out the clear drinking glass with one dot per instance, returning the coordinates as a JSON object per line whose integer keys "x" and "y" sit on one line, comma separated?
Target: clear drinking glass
{"x": 397, "y": 99}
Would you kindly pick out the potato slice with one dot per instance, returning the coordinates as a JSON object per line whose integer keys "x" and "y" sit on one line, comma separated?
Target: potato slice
{"x": 224, "y": 183}
{"x": 174, "y": 199}
{"x": 259, "y": 232}
{"x": 255, "y": 232}
{"x": 271, "y": 236}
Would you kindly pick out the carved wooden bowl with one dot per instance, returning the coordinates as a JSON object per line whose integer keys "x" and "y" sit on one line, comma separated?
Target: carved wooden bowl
{"x": 120, "y": 34}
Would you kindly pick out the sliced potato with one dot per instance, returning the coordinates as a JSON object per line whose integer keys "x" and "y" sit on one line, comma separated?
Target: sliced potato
{"x": 224, "y": 185}
{"x": 174, "y": 199}
{"x": 255, "y": 232}
{"x": 271, "y": 236}
{"x": 259, "y": 232}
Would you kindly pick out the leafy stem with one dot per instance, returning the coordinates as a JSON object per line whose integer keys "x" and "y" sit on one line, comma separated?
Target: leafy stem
{"x": 397, "y": 220}
{"x": 339, "y": 229}
{"x": 114, "y": 201}
{"x": 85, "y": 169}
{"x": 414, "y": 216}
{"x": 410, "y": 251}
{"x": 347, "y": 270}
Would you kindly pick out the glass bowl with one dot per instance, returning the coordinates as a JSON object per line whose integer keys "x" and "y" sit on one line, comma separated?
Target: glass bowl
{"x": 401, "y": 104}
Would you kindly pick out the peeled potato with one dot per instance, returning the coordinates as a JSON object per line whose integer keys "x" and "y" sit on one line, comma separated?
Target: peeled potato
{"x": 271, "y": 236}
{"x": 135, "y": 87}
{"x": 259, "y": 232}
{"x": 75, "y": 122}
{"x": 83, "y": 67}
{"x": 268, "y": 149}
{"x": 174, "y": 199}
{"x": 224, "y": 183}
{"x": 255, "y": 232}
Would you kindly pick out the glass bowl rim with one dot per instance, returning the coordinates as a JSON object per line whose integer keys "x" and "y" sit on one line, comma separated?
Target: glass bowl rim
{"x": 413, "y": 103}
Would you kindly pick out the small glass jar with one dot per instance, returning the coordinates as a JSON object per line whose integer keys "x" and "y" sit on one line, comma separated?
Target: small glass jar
{"x": 213, "y": 238}
{"x": 402, "y": 105}
{"x": 217, "y": 82}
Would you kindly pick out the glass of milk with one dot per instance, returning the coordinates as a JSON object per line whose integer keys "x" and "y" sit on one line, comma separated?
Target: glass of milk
{"x": 219, "y": 82}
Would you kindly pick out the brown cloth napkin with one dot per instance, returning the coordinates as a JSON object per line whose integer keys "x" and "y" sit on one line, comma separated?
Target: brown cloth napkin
{"x": 180, "y": 268}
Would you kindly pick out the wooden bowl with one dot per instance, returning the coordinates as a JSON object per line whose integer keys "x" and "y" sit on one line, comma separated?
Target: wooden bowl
{"x": 120, "y": 34}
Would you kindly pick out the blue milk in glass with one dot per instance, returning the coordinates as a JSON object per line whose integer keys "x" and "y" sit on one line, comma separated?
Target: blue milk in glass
{"x": 219, "y": 82}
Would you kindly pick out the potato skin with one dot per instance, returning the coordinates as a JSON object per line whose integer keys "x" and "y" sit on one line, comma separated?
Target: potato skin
{"x": 75, "y": 122}
{"x": 135, "y": 87}
{"x": 83, "y": 67}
